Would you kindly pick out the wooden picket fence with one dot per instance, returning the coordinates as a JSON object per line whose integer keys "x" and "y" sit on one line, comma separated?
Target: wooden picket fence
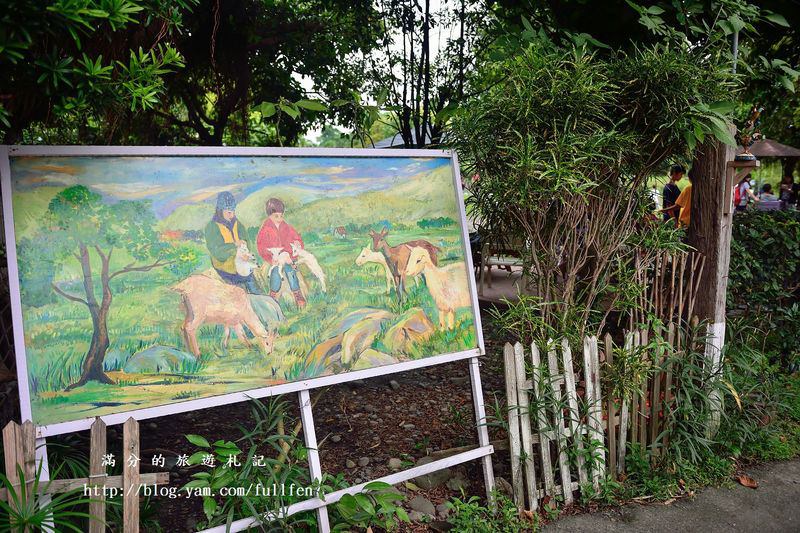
{"x": 670, "y": 281}
{"x": 556, "y": 421}
{"x": 20, "y": 449}
{"x": 557, "y": 411}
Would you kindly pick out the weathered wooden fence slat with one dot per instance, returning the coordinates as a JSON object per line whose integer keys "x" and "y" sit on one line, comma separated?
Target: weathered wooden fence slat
{"x": 515, "y": 441}
{"x": 643, "y": 393}
{"x": 574, "y": 411}
{"x": 611, "y": 411}
{"x": 623, "y": 415}
{"x": 591, "y": 364}
{"x": 12, "y": 450}
{"x": 525, "y": 426}
{"x": 541, "y": 418}
{"x": 97, "y": 474}
{"x": 655, "y": 400}
{"x": 558, "y": 420}
{"x": 130, "y": 476}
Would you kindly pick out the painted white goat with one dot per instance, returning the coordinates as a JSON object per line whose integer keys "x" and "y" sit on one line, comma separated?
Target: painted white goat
{"x": 304, "y": 257}
{"x": 280, "y": 258}
{"x": 245, "y": 261}
{"x": 447, "y": 285}
{"x": 369, "y": 256}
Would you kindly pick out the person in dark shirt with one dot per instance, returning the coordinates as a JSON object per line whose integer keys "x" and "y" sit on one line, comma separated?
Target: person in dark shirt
{"x": 788, "y": 191}
{"x": 672, "y": 191}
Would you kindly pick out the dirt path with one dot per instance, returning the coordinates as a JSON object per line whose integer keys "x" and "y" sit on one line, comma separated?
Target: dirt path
{"x": 772, "y": 507}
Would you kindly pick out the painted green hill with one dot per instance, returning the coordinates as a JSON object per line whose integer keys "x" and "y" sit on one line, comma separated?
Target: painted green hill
{"x": 29, "y": 208}
{"x": 250, "y": 210}
{"x": 428, "y": 195}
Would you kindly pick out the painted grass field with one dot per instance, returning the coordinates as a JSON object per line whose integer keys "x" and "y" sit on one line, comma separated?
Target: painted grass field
{"x": 145, "y": 313}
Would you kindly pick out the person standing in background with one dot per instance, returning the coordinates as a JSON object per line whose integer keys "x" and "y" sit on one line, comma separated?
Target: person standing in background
{"x": 672, "y": 191}
{"x": 744, "y": 194}
{"x": 681, "y": 210}
{"x": 788, "y": 191}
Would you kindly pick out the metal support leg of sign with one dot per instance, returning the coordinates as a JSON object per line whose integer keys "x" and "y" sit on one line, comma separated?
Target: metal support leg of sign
{"x": 310, "y": 437}
{"x": 483, "y": 452}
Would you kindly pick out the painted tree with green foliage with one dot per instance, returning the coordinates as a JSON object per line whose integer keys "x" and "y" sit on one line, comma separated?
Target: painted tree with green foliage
{"x": 83, "y": 228}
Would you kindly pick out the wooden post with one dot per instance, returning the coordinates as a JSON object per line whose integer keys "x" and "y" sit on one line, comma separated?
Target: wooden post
{"x": 97, "y": 476}
{"x": 710, "y": 233}
{"x": 622, "y": 442}
{"x": 612, "y": 413}
{"x": 130, "y": 476}
{"x": 12, "y": 450}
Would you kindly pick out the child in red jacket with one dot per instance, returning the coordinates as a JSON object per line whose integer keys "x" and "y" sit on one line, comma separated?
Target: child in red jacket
{"x": 274, "y": 240}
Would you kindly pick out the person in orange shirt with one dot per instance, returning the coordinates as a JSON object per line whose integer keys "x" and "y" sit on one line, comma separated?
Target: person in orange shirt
{"x": 684, "y": 203}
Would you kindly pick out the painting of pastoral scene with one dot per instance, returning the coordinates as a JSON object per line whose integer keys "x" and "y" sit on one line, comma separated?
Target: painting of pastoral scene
{"x": 148, "y": 281}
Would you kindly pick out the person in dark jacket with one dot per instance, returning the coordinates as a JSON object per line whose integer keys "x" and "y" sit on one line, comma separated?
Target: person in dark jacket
{"x": 672, "y": 191}
{"x": 224, "y": 233}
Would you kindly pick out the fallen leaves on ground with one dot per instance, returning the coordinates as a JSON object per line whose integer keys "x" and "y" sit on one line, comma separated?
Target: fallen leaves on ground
{"x": 747, "y": 481}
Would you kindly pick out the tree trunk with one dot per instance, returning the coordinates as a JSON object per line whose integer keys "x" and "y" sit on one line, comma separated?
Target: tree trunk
{"x": 789, "y": 164}
{"x": 710, "y": 234}
{"x": 92, "y": 369}
{"x": 710, "y": 228}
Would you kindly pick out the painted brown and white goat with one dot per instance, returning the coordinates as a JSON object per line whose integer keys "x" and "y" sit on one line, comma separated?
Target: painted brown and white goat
{"x": 212, "y": 301}
{"x": 397, "y": 257}
{"x": 447, "y": 285}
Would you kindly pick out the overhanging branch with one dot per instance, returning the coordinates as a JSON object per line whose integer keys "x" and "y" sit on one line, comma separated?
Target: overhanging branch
{"x": 69, "y": 296}
{"x": 143, "y": 268}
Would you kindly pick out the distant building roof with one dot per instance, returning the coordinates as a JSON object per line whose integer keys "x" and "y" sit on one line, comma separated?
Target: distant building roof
{"x": 771, "y": 148}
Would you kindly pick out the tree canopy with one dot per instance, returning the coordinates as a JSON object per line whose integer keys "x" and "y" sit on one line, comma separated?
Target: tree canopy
{"x": 265, "y": 73}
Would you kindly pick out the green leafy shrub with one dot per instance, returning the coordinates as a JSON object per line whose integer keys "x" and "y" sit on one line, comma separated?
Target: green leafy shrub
{"x": 261, "y": 456}
{"x": 764, "y": 276}
{"x": 556, "y": 136}
{"x": 26, "y": 510}
{"x": 762, "y": 411}
{"x": 469, "y": 516}
{"x": 378, "y": 505}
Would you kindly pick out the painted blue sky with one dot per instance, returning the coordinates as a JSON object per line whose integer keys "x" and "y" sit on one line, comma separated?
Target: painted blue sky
{"x": 171, "y": 181}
